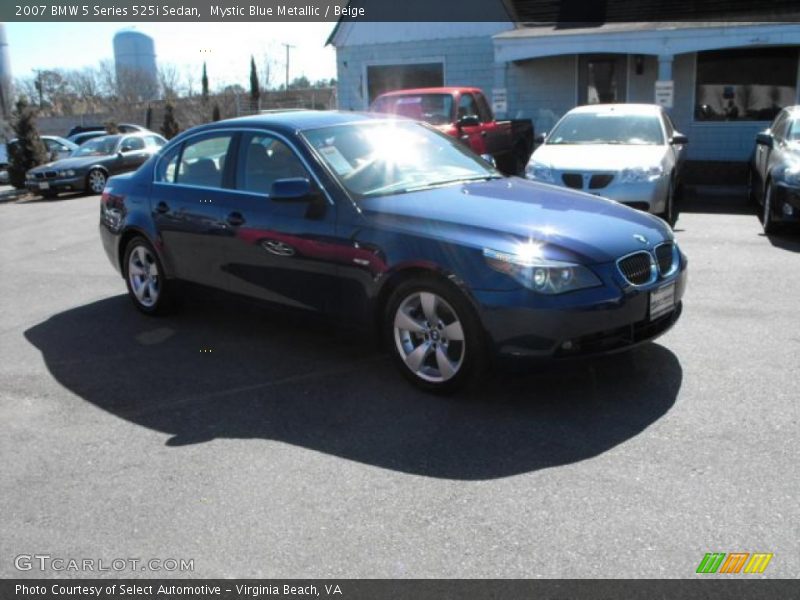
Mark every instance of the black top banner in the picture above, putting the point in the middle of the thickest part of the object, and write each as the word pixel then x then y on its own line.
pixel 567 12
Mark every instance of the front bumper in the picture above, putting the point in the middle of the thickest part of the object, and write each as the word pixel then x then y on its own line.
pixel 643 195
pixel 587 322
pixel 56 186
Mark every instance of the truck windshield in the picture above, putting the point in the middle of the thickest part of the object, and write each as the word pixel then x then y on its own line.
pixel 608 128
pixel 436 109
pixel 381 158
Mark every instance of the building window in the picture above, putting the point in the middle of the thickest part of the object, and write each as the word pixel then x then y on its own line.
pixel 601 78
pixel 750 84
pixel 387 78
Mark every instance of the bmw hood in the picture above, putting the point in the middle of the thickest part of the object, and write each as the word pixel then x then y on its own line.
pixel 504 213
pixel 597 157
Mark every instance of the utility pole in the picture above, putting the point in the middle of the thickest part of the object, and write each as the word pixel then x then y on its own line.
pixel 287 64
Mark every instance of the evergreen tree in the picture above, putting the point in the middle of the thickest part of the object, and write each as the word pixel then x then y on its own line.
pixel 170 127
pixel 255 92
pixel 204 83
pixel 28 151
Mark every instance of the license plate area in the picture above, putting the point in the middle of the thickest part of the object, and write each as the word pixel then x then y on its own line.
pixel 662 301
pixel 44 185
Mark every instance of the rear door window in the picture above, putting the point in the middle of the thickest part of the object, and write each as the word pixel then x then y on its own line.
pixel 202 162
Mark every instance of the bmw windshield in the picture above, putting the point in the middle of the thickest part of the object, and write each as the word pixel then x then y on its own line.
pixel 101 146
pixel 381 158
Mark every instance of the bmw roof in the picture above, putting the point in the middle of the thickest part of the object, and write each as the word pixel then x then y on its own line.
pixel 292 120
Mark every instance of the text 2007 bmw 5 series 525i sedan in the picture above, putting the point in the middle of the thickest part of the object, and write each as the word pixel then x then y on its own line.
pixel 390 224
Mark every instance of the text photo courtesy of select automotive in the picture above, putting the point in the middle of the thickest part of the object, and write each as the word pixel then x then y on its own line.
pixel 401 300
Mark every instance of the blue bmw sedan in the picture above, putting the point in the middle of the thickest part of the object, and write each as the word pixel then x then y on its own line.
pixel 390 225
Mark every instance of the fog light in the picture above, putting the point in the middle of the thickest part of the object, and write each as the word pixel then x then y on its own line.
pixel 788 210
pixel 567 345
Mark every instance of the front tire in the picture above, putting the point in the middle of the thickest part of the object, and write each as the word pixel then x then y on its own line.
pixel 767 218
pixel 96 181
pixel 148 288
pixel 434 336
pixel 670 214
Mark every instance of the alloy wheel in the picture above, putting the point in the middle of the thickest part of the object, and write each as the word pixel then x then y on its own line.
pixel 429 337
pixel 97 181
pixel 143 276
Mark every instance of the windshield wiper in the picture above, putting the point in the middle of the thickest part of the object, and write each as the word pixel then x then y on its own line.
pixel 432 184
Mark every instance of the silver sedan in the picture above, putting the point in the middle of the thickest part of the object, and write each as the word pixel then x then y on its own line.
pixel 630 153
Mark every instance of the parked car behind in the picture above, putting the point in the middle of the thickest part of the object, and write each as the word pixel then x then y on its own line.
pixel 630 153
pixel 57 147
pixel 85 136
pixel 122 127
pixel 464 113
pixel 391 224
pixel 774 180
pixel 90 165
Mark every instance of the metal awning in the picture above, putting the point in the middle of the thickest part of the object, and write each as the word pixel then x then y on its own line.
pixel 539 40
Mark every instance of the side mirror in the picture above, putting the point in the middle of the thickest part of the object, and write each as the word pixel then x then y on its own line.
pixel 765 139
pixel 678 139
pixel 469 121
pixel 293 189
pixel 120 154
pixel 539 139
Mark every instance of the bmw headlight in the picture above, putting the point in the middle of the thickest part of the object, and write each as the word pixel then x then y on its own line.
pixel 792 175
pixel 540 274
pixel 539 172
pixel 640 174
pixel 66 173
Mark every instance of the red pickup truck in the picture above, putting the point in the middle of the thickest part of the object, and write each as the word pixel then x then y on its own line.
pixel 463 112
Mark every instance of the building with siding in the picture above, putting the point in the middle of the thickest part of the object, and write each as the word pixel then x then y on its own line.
pixel 728 78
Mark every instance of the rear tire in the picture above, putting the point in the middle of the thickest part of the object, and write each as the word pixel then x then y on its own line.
pixel 150 291
pixel 434 336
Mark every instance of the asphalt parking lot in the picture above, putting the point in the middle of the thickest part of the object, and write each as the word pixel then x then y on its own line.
pixel 260 446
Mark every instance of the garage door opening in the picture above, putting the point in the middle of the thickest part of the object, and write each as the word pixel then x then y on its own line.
pixel 386 78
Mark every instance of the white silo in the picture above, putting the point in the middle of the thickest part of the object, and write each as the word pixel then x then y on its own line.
pixel 6 92
pixel 135 63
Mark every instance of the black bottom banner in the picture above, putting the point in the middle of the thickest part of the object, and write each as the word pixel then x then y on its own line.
pixel 402 589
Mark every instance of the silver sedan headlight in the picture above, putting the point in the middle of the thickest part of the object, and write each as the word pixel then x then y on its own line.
pixel 540 274
pixel 641 174
pixel 539 172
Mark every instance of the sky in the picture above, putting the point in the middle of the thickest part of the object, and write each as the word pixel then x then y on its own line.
pixel 226 47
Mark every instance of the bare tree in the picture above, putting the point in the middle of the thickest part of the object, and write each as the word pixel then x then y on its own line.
pixel 170 79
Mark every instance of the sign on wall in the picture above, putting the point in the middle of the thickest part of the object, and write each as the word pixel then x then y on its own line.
pixel 499 100
pixel 665 93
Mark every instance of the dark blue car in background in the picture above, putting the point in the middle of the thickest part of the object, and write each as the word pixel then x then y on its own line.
pixel 389 224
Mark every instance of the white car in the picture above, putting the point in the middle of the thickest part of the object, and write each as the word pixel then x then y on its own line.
pixel 630 153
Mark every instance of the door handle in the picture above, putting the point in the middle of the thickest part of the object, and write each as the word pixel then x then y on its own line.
pixel 235 219
pixel 162 208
